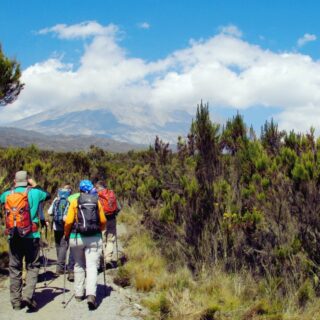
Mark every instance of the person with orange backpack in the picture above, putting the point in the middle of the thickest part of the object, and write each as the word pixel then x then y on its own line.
pixel 21 205
pixel 111 208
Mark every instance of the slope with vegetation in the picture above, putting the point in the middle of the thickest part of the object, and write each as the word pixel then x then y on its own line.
pixel 228 227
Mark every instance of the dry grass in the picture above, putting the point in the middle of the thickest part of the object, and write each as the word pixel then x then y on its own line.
pixel 144 282
pixel 144 265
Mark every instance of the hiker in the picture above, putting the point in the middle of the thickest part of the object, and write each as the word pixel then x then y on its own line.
pixel 23 233
pixel 83 226
pixel 111 208
pixel 57 211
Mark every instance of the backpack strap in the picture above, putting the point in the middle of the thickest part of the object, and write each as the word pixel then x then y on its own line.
pixel 26 191
pixel 35 227
pixel 55 205
pixel 28 188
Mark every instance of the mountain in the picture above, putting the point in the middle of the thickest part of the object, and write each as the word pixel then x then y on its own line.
pixel 23 138
pixel 102 123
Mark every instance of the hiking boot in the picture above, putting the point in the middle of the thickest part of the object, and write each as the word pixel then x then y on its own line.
pixel 109 265
pixel 18 306
pixel 59 271
pixel 70 276
pixel 31 304
pixel 101 267
pixel 79 298
pixel 91 300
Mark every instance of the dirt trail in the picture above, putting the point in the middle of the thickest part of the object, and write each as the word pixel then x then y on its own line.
pixel 115 303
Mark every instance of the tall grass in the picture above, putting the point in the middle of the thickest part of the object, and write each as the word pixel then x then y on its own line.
pixel 211 294
pixel 4 258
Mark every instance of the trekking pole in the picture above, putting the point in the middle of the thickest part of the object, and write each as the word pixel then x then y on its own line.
pixel 64 277
pixel 117 241
pixel 47 237
pixel 66 303
pixel 44 257
pixel 104 270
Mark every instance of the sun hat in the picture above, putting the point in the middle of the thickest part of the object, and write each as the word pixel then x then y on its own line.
pixel 21 179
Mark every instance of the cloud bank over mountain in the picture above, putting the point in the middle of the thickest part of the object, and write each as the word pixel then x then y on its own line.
pixel 224 70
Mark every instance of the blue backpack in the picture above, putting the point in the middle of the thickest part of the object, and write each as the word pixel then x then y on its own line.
pixel 60 205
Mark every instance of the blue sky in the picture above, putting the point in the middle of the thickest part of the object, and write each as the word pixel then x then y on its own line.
pixel 171 38
pixel 275 25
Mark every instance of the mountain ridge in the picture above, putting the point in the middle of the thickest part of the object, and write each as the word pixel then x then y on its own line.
pixel 16 137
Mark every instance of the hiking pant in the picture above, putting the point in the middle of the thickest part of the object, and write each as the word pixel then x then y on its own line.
pixel 111 233
pixel 29 249
pixel 86 252
pixel 61 249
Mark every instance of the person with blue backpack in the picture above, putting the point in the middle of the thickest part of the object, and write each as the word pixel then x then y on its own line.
pixel 57 212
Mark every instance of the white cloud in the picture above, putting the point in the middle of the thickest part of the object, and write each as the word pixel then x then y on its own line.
pixel 224 70
pixel 144 25
pixel 305 39
pixel 80 30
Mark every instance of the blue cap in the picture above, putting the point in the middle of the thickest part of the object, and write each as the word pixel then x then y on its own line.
pixel 85 186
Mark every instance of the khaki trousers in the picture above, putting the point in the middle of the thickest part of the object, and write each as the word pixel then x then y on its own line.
pixel 86 253
pixel 111 233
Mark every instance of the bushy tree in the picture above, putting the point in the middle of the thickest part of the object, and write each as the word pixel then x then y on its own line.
pixel 200 208
pixel 10 85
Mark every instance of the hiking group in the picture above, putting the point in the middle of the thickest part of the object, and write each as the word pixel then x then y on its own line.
pixel 78 221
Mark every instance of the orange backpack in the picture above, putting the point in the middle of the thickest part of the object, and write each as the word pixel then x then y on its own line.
pixel 18 218
pixel 108 201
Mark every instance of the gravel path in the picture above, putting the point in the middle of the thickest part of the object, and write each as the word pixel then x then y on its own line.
pixel 115 303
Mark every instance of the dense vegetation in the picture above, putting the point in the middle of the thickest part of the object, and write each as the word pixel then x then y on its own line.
pixel 226 200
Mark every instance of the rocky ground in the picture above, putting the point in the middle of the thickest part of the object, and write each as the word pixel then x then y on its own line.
pixel 115 303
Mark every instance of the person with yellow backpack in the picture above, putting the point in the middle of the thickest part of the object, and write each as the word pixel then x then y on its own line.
pixel 83 226
pixel 21 205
